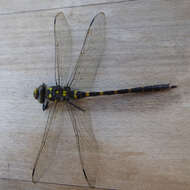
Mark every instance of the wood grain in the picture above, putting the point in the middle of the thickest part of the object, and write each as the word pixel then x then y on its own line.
pixel 143 139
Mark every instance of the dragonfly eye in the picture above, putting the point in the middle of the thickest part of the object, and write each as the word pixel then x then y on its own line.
pixel 36 93
pixel 39 93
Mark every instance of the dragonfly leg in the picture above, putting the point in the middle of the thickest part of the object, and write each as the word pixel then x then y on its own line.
pixel 74 105
pixel 45 105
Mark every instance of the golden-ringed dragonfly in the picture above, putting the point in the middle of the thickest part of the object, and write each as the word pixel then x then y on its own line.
pixel 69 88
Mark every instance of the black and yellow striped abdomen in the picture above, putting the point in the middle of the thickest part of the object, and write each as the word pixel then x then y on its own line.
pixel 153 88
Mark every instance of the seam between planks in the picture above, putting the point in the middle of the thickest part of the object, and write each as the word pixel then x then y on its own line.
pixel 66 7
pixel 60 184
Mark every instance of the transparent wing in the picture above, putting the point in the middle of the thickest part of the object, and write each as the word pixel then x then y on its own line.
pixel 63 49
pixel 91 53
pixel 86 142
pixel 49 142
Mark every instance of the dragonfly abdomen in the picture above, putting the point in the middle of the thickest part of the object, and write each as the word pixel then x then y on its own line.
pixel 55 93
pixel 153 88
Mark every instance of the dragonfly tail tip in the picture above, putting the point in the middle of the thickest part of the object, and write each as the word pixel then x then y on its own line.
pixel 174 86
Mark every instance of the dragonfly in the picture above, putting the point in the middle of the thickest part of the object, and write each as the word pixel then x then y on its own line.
pixel 71 86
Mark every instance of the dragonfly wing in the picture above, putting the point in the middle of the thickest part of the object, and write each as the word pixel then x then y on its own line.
pixel 49 142
pixel 63 49
pixel 91 53
pixel 86 142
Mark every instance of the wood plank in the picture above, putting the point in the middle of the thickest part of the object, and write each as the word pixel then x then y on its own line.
pixel 143 139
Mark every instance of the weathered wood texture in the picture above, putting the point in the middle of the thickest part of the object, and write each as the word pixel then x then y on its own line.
pixel 143 139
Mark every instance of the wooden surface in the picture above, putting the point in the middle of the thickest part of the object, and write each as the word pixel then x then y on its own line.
pixel 143 139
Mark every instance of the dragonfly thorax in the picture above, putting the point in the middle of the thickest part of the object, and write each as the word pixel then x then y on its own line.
pixel 58 93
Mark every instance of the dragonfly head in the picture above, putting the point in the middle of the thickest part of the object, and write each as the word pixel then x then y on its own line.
pixel 39 93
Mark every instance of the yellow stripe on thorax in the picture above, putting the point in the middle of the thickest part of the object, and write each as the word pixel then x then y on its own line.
pixel 64 93
pixel 115 92
pixel 75 94
pixel 101 93
pixel 50 96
